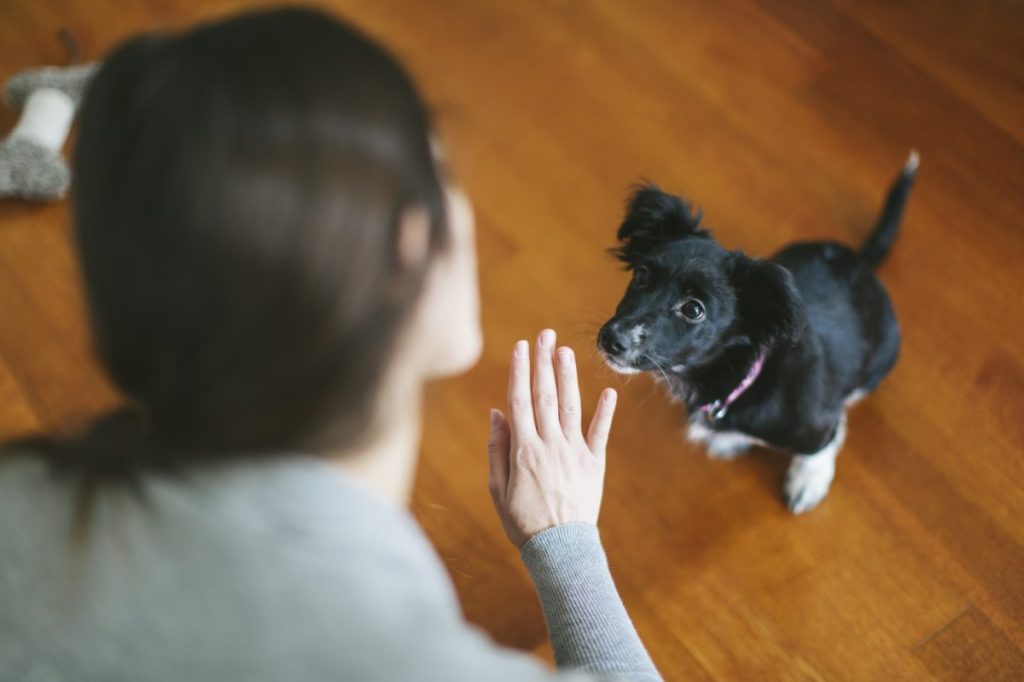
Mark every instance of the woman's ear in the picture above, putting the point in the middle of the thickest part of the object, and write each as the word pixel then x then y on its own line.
pixel 413 241
pixel 770 308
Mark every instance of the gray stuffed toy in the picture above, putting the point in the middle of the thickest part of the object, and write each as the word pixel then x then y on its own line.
pixel 31 165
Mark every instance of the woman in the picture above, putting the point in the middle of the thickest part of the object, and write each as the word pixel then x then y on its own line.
pixel 274 266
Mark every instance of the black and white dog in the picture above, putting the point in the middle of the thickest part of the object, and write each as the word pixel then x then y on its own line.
pixel 763 352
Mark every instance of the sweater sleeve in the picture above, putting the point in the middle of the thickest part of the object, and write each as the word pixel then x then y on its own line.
pixel 587 622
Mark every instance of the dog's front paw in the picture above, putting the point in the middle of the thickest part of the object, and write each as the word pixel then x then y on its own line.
pixel 807 481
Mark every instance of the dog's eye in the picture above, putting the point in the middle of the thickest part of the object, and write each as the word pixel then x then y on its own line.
pixel 640 277
pixel 692 310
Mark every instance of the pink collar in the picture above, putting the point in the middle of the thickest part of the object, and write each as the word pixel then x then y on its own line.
pixel 719 408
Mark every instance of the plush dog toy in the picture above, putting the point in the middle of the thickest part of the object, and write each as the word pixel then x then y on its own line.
pixel 31 165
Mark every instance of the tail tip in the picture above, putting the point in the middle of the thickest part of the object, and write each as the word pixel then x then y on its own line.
pixel 913 161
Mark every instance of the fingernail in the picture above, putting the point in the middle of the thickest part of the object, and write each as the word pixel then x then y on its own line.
pixel 547 338
pixel 521 348
pixel 565 356
pixel 610 396
pixel 494 418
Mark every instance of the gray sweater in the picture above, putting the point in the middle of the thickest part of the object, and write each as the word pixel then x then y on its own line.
pixel 281 570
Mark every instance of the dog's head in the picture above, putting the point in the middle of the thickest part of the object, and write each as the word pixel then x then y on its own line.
pixel 690 298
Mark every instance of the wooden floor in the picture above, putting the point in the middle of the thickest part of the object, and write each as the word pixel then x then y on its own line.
pixel 782 120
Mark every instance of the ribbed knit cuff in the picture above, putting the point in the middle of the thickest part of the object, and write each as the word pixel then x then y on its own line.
pixel 587 623
pixel 564 550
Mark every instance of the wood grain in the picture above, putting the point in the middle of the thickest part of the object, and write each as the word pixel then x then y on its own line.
pixel 782 121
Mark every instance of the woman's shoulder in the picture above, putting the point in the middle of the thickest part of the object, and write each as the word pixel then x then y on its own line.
pixel 291 502
pixel 31 496
pixel 191 559
pixel 293 508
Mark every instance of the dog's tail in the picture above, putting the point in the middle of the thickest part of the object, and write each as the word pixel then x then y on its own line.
pixel 877 245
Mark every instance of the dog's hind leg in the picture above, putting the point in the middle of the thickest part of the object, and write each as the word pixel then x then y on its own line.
pixel 810 476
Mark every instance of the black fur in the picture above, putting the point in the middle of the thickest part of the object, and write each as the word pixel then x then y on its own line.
pixel 654 218
pixel 816 308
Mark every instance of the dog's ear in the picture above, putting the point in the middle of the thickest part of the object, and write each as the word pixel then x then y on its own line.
pixel 770 308
pixel 652 218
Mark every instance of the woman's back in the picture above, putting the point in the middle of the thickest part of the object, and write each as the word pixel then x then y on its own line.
pixel 281 570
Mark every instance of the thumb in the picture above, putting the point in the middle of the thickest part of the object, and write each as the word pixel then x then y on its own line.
pixel 499 441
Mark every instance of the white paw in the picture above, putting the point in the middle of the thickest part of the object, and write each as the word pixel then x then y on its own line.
pixel 721 444
pixel 807 481
pixel 728 446
pixel 809 476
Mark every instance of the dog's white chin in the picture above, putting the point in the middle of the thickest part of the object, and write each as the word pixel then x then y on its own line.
pixel 621 369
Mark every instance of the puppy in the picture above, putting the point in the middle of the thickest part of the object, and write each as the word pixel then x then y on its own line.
pixel 762 352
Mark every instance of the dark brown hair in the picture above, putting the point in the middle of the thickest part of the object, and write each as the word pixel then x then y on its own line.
pixel 237 194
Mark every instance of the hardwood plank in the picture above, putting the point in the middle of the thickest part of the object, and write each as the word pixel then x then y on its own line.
pixel 970 648
pixel 16 415
pixel 45 339
pixel 984 73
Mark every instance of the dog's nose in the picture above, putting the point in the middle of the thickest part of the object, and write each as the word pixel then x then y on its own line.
pixel 611 341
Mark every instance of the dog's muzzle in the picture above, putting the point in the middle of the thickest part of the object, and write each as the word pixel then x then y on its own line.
pixel 612 341
pixel 620 347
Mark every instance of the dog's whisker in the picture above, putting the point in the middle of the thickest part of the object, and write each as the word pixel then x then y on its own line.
pixel 658 366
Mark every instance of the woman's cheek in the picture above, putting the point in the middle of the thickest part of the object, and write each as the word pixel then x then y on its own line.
pixel 464 331
pixel 463 296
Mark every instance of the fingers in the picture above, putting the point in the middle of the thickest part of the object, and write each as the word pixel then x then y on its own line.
pixel 545 391
pixel 549 405
pixel 601 424
pixel 499 442
pixel 520 407
pixel 568 394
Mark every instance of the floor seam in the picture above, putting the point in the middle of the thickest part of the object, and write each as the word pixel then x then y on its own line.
pixel 943 627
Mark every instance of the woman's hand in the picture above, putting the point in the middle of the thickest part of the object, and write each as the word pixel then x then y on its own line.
pixel 543 472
